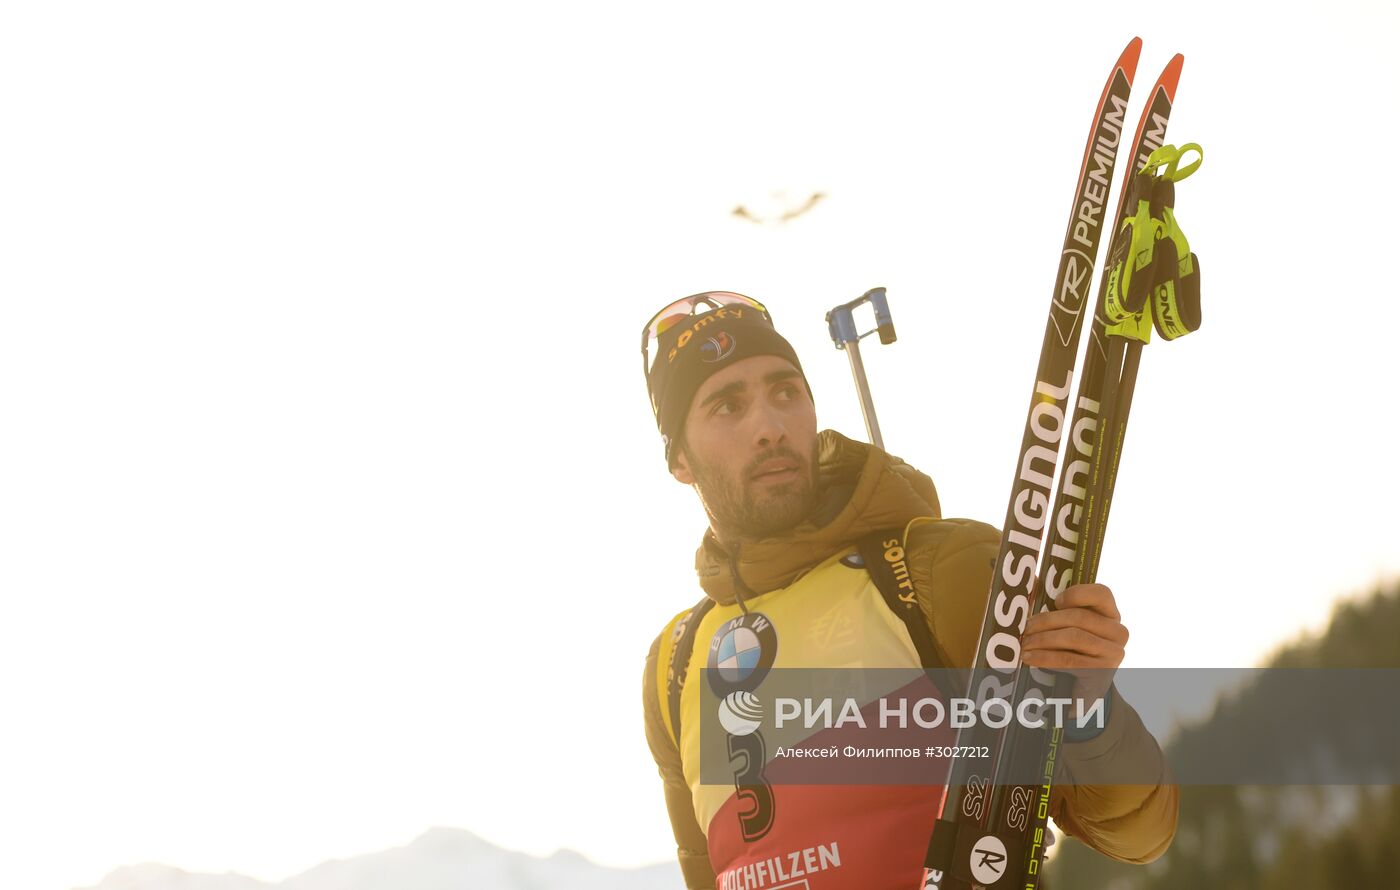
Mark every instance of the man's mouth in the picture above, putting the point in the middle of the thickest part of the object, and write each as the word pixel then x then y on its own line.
pixel 775 471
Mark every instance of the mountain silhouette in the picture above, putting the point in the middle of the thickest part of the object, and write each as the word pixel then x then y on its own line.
pixel 439 859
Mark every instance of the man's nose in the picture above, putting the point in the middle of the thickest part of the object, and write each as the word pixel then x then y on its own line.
pixel 770 428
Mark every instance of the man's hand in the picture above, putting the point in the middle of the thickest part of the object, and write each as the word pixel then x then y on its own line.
pixel 1084 636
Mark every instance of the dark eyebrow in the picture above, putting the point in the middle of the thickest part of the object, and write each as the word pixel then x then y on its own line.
pixel 725 392
pixel 739 386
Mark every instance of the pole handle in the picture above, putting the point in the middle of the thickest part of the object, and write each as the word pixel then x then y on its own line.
pixel 841 323
pixel 883 323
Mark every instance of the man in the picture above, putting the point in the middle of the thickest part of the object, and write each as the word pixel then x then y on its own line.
pixel 786 506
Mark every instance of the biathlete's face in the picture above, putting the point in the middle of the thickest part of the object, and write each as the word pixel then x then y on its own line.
pixel 750 448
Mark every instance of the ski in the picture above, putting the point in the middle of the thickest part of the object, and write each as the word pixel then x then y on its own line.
pixel 1072 543
pixel 963 850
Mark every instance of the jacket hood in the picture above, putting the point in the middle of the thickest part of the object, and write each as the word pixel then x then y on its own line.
pixel 860 489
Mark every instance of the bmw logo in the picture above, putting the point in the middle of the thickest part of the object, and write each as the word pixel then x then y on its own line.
pixel 741 653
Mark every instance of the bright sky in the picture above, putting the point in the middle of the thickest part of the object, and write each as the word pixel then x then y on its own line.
pixel 331 508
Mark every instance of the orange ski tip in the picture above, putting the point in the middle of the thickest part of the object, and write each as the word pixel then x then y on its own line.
pixel 1171 75
pixel 1129 60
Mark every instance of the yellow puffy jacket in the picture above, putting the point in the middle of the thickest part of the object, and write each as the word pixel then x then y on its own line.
pixel 829 613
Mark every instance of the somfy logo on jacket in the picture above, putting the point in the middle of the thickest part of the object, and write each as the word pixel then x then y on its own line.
pixel 717 348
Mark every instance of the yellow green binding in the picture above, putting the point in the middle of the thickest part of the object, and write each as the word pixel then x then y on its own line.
pixel 1151 258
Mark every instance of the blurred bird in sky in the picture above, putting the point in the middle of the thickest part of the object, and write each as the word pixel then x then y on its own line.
pixel 782 209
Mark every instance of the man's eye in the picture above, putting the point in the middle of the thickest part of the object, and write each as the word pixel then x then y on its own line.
pixel 728 406
pixel 787 391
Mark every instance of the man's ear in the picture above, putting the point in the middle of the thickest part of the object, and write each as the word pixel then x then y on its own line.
pixel 681 468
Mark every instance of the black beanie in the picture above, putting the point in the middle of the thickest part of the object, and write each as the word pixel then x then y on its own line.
pixel 690 352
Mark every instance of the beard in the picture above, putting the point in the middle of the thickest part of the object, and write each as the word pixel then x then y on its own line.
pixel 742 508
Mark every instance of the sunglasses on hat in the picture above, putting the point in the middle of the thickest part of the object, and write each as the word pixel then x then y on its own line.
pixel 683 309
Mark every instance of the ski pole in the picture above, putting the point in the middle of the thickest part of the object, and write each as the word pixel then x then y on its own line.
pixel 841 324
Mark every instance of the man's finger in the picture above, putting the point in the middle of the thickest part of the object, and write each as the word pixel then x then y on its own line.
pixel 1094 622
pixel 1061 660
pixel 1089 596
pixel 1069 639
